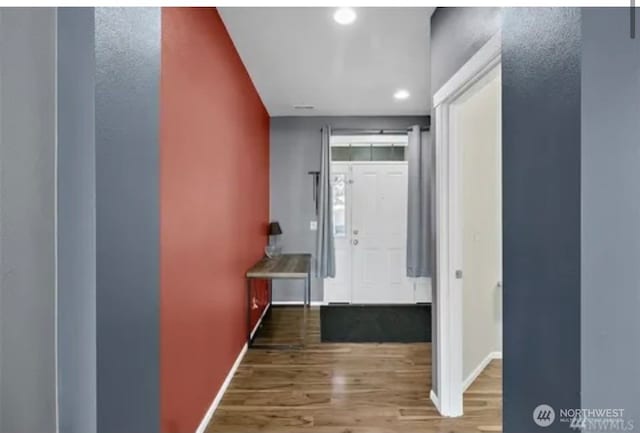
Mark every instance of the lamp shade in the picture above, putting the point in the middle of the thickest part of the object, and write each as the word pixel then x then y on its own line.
pixel 274 228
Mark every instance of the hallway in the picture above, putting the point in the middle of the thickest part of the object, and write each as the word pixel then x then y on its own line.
pixel 354 388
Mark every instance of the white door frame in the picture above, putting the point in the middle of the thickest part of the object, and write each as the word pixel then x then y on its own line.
pixel 448 288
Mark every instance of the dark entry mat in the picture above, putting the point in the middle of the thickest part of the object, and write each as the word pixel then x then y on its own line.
pixel 375 323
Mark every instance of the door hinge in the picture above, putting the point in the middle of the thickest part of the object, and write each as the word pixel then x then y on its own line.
pixel 459 274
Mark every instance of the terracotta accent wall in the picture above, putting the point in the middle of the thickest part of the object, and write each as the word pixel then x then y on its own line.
pixel 214 204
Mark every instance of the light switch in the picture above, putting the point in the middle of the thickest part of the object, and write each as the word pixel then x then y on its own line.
pixel 313 225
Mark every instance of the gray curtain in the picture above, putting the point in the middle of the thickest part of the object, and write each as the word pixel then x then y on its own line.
pixel 420 207
pixel 325 253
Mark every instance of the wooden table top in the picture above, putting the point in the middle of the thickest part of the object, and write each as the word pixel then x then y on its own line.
pixel 282 266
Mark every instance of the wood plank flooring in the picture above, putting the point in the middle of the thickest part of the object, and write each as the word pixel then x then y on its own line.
pixel 343 387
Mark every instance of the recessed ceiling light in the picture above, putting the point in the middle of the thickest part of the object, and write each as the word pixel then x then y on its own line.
pixel 401 94
pixel 344 16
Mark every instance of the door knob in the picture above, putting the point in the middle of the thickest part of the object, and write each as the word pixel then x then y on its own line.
pixel 355 242
pixel 355 232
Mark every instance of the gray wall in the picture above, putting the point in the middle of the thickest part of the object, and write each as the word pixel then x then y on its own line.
pixel 127 210
pixel 541 195
pixel 108 229
pixel 541 213
pixel 456 35
pixel 295 150
pixel 76 221
pixel 610 213
pixel 27 220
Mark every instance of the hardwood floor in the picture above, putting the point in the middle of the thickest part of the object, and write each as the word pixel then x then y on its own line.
pixel 338 387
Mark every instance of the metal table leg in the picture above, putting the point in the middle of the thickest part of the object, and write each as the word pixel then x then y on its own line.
pixel 248 312
pixel 305 308
pixel 270 295
pixel 306 292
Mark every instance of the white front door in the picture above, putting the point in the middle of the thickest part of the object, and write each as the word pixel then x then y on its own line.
pixel 370 237
pixel 379 233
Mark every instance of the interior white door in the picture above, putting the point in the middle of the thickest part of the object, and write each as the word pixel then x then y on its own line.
pixel 338 289
pixel 378 234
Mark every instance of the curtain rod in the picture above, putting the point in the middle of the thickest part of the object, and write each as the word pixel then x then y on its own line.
pixel 359 131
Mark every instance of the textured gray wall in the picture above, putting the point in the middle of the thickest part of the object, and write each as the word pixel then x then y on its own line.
pixel 127 212
pixel 610 213
pixel 27 220
pixel 76 221
pixel 456 35
pixel 295 150
pixel 541 213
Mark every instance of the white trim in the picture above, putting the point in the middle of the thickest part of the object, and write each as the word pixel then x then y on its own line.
pixel 448 246
pixel 435 400
pixel 216 401
pixel 367 140
pixel 479 369
pixel 474 67
pixel 313 303
pixel 227 381
pixel 350 163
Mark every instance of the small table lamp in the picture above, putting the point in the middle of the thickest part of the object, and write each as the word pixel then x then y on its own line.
pixel 272 249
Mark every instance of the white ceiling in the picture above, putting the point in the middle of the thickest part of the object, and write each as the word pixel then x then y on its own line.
pixel 302 56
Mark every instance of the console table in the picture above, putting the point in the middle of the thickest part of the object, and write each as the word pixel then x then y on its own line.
pixel 285 267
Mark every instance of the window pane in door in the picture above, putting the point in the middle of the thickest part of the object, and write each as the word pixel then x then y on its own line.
pixel 361 153
pixel 340 153
pixel 387 153
pixel 399 153
pixel 339 205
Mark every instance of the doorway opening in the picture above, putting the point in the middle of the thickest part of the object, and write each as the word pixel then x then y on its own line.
pixel 468 310
pixel 477 126
pixel 369 180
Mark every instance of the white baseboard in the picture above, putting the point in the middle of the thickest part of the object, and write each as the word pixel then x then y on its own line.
pixel 313 303
pixel 435 400
pixel 216 401
pixel 227 381
pixel 476 372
